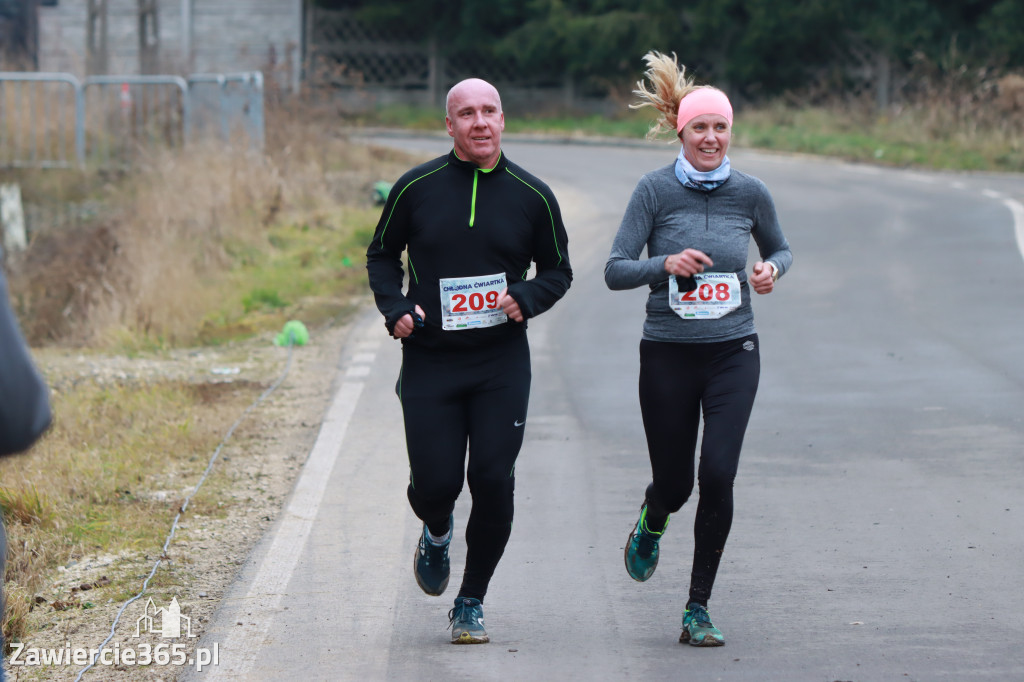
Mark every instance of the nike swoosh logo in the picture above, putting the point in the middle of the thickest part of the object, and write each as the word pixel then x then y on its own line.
pixel 519 423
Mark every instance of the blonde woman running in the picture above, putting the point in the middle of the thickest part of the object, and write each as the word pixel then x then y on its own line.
pixel 699 350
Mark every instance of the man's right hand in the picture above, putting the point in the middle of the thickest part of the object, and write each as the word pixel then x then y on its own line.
pixel 405 325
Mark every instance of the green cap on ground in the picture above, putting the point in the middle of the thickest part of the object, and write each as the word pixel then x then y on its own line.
pixel 381 190
pixel 294 333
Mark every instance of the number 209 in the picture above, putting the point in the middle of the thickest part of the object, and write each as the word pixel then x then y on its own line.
pixel 462 303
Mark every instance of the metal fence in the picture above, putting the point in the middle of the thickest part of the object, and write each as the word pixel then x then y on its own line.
pixel 41 120
pixel 55 120
pixel 126 116
pixel 227 105
pixel 348 59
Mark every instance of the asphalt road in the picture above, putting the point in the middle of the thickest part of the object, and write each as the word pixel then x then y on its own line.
pixel 879 528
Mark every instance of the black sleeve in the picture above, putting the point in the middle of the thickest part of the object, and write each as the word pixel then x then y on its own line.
pixel 551 254
pixel 24 397
pixel 384 257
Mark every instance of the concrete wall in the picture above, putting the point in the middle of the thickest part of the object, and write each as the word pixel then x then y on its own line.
pixel 196 36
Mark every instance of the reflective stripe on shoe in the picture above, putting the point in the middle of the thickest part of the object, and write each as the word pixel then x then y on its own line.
pixel 466 620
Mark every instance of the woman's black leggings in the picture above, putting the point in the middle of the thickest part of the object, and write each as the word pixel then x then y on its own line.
pixel 677 382
pixel 450 399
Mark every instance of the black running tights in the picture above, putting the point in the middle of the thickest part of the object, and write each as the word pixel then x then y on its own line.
pixel 679 381
pixel 450 399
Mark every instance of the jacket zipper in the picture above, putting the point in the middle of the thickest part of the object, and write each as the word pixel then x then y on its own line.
pixel 472 201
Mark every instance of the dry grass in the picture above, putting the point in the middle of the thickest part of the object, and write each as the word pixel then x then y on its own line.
pixel 108 477
pixel 148 265
pixel 164 258
pixel 957 120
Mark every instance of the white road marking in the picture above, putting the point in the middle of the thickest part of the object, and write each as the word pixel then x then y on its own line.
pixel 1017 209
pixel 363 358
pixel 356 371
pixel 860 169
pixel 267 589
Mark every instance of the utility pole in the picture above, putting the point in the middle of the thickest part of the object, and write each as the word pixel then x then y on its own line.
pixel 149 37
pixel 96 37
pixel 186 35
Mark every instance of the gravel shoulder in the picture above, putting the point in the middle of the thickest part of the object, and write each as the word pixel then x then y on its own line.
pixel 259 463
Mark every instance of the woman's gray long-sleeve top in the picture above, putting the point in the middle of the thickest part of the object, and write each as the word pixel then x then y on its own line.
pixel 668 218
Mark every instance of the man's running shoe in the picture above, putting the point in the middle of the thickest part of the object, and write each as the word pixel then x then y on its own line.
pixel 642 548
pixel 698 629
pixel 431 563
pixel 467 622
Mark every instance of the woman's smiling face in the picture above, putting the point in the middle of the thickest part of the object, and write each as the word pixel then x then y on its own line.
pixel 705 141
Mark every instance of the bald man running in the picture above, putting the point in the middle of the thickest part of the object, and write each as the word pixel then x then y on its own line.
pixel 470 223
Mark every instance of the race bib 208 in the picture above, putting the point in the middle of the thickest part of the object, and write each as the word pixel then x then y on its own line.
pixel 717 294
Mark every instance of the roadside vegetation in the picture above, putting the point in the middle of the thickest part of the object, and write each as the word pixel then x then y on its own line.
pixel 909 76
pixel 106 481
pixel 966 125
pixel 953 124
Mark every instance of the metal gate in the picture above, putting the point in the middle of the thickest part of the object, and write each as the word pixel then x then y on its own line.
pixel 55 120
pixel 125 116
pixel 40 120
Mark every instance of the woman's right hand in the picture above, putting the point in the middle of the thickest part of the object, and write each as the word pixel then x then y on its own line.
pixel 687 263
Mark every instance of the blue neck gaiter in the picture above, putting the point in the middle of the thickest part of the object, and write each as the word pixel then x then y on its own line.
pixel 704 181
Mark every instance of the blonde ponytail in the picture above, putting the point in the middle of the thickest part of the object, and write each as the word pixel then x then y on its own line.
pixel 668 86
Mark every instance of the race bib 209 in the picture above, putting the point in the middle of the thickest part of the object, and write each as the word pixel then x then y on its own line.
pixel 471 302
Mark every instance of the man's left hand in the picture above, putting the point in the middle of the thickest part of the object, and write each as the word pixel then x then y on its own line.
pixel 509 306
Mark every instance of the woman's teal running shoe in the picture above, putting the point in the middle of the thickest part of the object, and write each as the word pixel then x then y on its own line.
pixel 641 553
pixel 466 620
pixel 698 629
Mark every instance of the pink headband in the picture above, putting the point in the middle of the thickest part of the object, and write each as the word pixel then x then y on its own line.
pixel 703 101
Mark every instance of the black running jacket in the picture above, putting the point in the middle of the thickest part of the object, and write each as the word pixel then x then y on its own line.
pixel 457 220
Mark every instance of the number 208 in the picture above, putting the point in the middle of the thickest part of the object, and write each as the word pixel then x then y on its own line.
pixel 705 292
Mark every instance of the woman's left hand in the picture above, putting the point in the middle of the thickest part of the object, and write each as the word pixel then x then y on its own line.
pixel 763 279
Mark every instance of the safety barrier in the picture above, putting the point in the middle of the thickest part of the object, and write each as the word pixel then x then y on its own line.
pixel 55 120
pixel 225 100
pixel 125 115
pixel 41 120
